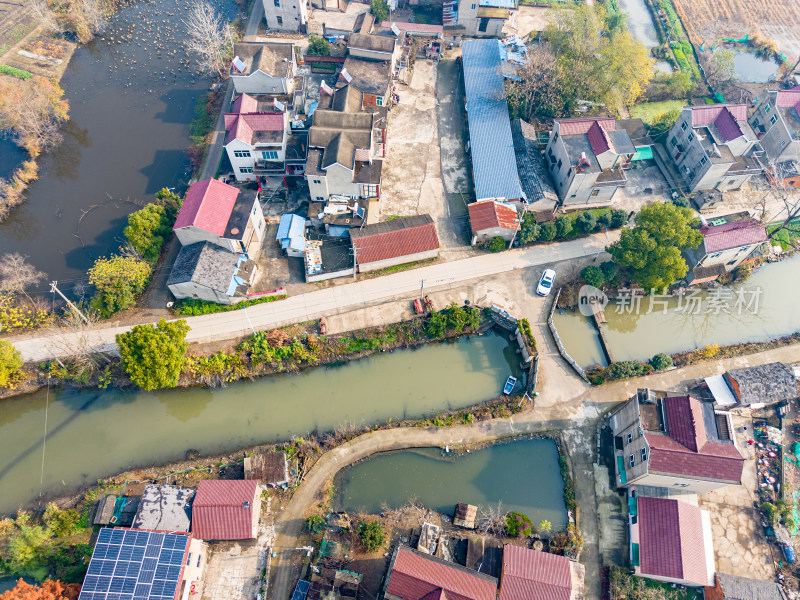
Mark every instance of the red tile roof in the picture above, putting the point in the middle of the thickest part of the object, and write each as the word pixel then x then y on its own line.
pixel 245 104
pixel 705 115
pixel 395 238
pixel 788 98
pixel 208 206
pixel 415 576
pixel 686 451
pixel 243 126
pixel 486 214
pixel 598 139
pixel 727 126
pixel 582 126
pixel 733 235
pixel 671 540
pixel 530 574
pixel 223 509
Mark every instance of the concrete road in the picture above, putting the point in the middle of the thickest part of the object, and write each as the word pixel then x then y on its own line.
pixel 328 301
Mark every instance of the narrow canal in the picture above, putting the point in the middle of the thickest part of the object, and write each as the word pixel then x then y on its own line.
pixel 714 317
pixel 131 93
pixel 523 475
pixel 99 433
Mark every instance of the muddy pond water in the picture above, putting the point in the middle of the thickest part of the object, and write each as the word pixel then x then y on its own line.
pixel 92 434
pixel 523 475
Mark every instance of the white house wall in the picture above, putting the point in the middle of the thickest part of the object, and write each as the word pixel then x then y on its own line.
pixel 317 187
pixel 239 163
pixel 400 260
pixel 293 15
pixel 194 569
pixel 340 181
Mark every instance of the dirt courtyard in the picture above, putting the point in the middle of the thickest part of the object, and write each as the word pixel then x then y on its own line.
pixel 779 20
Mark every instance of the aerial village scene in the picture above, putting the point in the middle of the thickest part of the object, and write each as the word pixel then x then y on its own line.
pixel 399 299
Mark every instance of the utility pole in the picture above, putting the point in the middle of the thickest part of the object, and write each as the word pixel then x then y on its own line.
pixel 421 289
pixel 519 225
pixel 355 263
pixel 54 288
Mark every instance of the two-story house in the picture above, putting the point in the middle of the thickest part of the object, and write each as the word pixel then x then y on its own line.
pixel 220 214
pixel 676 443
pixel 286 15
pixel 587 159
pixel 711 145
pixel 728 243
pixel 776 122
pixel 263 68
pixel 483 18
pixel 256 138
pixel 373 79
pixel 382 48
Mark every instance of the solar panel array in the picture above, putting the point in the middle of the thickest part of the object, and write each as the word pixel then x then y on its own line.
pixel 134 565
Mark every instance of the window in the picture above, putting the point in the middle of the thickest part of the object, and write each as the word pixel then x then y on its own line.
pixel 783 143
pixel 703 161
pixel 715 255
pixel 632 460
pixel 199 558
pixel 742 249
pixel 278 3
pixel 755 122
pixel 370 191
pixel 644 454
pixel 189 559
pixel 683 126
pixel 559 164
pixel 767 107
pixel 630 438
pixel 269 155
pixel 691 137
pixel 595 192
pixel 317 181
pixel 319 199
pixel 280 20
pixel 473 7
pixel 555 137
pixel 379 100
pixel 681 484
pixel 241 153
pixel 674 141
pixel 773 119
pixel 245 169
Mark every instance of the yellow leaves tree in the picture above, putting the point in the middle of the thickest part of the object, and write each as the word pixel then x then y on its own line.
pixel 33 110
pixel 10 363
pixel 118 280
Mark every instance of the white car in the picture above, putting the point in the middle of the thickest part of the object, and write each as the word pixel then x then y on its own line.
pixel 546 282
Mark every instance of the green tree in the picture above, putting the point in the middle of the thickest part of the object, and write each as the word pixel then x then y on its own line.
pixel 586 222
pixel 153 355
pixel 651 251
pixel 609 269
pixel 380 9
pixel 593 275
pixel 118 281
pixel 563 226
pixel 436 325
pixel 497 244
pixel 146 230
pixel 318 46
pixel 171 202
pixel 618 218
pixel 547 232
pixel 529 230
pixel 372 535
pixel 60 523
pixel 10 363
pixel 315 524
pixel 662 123
pixel 661 361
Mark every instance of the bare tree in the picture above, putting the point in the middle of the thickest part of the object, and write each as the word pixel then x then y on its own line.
pixel 208 37
pixel 42 14
pixel 16 275
pixel 80 343
pixel 778 181
pixel 491 521
pixel 720 67
pixel 33 110
pixel 93 14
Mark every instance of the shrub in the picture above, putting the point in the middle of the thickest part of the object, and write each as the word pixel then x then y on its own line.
pixel 618 218
pixel 604 219
pixel 593 276
pixel 60 523
pixel 563 226
pixel 661 361
pixel 609 269
pixel 547 232
pixel 10 363
pixel 529 230
pixel 497 244
pixel 372 535
pixel 586 222
pixel 194 307
pixel 710 351
pixel 625 369
pixel 681 201
pixel 154 355
pixel 518 525
pixel 436 325
pixel 315 524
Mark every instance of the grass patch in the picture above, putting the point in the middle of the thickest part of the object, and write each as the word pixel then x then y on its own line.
pixel 14 72
pixel 398 268
pixel 648 111
pixel 786 238
pixel 192 307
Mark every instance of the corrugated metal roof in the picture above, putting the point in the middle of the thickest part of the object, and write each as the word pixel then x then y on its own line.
pixel 494 164
pixel 223 509
pixel 529 574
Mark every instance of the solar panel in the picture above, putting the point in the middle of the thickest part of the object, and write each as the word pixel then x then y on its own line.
pixel 134 565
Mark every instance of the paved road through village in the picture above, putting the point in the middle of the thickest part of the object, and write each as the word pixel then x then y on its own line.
pixel 328 301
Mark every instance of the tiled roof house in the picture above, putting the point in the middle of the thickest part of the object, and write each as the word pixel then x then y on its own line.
pixel 531 574
pixel 491 218
pixel 676 443
pixel 395 242
pixel 776 122
pixel 762 384
pixel 226 509
pixel 671 542
pixel 414 575
pixel 734 587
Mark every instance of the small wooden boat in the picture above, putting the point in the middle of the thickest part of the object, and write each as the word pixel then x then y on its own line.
pixel 511 383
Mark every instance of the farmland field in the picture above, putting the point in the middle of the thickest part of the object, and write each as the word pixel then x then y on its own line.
pixel 707 20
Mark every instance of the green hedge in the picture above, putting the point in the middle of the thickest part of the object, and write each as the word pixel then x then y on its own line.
pixel 194 307
pixel 14 72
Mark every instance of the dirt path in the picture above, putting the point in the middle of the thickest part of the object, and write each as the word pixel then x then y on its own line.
pixel 578 417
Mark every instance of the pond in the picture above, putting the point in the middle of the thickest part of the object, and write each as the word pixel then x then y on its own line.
pixel 93 434
pixel 633 336
pixel 523 475
pixel 756 69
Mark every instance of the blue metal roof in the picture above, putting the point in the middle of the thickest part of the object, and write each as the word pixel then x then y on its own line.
pixel 494 165
pixel 283 226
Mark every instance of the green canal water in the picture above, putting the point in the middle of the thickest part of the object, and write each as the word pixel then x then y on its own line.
pixel 524 475
pixel 95 434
